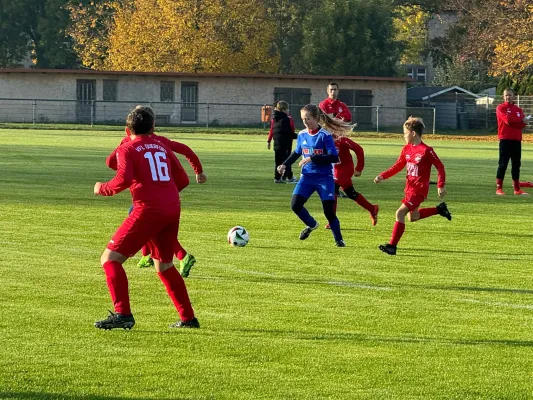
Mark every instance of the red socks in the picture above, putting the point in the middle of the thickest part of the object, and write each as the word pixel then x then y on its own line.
pixel 499 183
pixel 516 185
pixel 427 212
pixel 117 282
pixel 177 291
pixel 363 202
pixel 397 233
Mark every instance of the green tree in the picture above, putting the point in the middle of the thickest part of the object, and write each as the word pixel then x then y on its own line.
pixel 349 37
pixel 36 26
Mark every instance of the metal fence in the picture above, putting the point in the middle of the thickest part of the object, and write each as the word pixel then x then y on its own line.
pixel 459 112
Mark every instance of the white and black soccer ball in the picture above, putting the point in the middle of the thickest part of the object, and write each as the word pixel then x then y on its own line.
pixel 238 236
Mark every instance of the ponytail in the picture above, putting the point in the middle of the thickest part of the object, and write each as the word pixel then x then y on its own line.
pixel 337 127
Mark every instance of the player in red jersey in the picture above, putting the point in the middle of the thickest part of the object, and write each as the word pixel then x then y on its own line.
pixel 344 170
pixel 511 121
pixel 181 180
pixel 418 158
pixel 333 107
pixel 144 167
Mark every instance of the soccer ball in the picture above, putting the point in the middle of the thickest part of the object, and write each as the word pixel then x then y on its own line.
pixel 238 236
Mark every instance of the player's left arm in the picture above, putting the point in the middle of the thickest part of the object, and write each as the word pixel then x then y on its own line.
pixel 123 178
pixel 359 153
pixel 441 178
pixel 345 114
pixel 330 155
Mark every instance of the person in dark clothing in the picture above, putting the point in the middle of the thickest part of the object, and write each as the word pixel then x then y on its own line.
pixel 282 131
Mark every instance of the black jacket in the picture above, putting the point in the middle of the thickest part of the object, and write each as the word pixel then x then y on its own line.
pixel 282 130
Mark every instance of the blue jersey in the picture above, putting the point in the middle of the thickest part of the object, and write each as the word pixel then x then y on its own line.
pixel 320 143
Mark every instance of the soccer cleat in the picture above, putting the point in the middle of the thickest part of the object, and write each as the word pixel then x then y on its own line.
pixel 193 324
pixel 116 321
pixel 527 184
pixel 304 234
pixel 443 211
pixel 186 264
pixel 374 215
pixel 292 180
pixel 520 193
pixel 340 243
pixel 145 262
pixel 390 249
pixel 500 192
pixel 278 181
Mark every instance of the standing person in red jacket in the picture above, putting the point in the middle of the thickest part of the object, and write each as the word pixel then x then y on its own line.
pixel 181 180
pixel 282 131
pixel 333 107
pixel 418 157
pixel 511 121
pixel 344 170
pixel 144 167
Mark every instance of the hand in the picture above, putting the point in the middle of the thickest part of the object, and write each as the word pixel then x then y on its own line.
pixel 281 169
pixel 378 179
pixel 268 145
pixel 525 120
pixel 357 173
pixel 97 187
pixel 201 178
pixel 442 192
pixel 304 161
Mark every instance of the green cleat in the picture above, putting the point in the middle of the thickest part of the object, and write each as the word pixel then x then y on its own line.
pixel 145 262
pixel 186 265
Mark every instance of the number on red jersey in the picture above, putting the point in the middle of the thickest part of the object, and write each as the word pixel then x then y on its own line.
pixel 158 166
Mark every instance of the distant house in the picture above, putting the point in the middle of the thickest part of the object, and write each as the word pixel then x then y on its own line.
pixel 453 105
pixel 184 98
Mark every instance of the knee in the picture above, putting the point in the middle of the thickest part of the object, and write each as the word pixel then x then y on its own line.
pixel 296 204
pixel 401 213
pixel 413 216
pixel 351 193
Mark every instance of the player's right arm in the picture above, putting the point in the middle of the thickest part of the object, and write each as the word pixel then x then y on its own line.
pixel 124 176
pixel 111 160
pixel 397 167
pixel 509 118
pixel 270 133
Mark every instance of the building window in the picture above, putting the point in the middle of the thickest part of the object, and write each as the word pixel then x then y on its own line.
pixel 421 74
pixel 110 90
pixel 167 91
pixel 410 73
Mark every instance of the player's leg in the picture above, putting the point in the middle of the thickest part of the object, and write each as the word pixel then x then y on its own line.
pixel 516 160
pixel 163 249
pixel 337 188
pixel 146 260
pixel 279 157
pixel 503 161
pixel 399 226
pixel 421 213
pixel 373 209
pixel 326 190
pixel 289 174
pixel 303 190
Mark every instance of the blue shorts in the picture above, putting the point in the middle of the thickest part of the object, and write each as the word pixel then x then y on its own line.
pixel 324 185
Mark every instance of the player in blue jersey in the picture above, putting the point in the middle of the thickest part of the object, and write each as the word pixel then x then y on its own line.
pixel 317 148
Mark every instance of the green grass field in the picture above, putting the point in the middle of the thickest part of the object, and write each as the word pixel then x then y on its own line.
pixel 450 317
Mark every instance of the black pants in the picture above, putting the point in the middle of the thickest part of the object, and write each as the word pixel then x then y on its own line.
pixel 509 149
pixel 280 155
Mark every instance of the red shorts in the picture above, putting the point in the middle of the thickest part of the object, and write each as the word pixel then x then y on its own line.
pixel 413 201
pixel 160 231
pixel 343 178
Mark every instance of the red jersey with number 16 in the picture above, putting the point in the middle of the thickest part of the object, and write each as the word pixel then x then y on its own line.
pixel 418 159
pixel 144 166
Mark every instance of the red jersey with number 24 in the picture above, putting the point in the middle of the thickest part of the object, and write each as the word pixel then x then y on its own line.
pixel 144 166
pixel 418 160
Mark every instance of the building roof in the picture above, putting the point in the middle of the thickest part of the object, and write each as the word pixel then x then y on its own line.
pixel 204 74
pixel 428 92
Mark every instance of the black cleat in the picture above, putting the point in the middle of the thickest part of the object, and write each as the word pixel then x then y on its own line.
pixel 390 249
pixel 443 211
pixel 340 243
pixel 115 321
pixel 307 231
pixel 193 323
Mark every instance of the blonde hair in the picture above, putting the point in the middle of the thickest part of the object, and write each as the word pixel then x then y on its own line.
pixel 282 106
pixel 337 127
pixel 415 124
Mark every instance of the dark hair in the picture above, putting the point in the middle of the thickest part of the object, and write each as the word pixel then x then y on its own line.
pixel 415 124
pixel 333 84
pixel 337 127
pixel 141 120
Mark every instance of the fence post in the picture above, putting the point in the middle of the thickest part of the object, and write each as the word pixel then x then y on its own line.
pixel 34 106
pixel 207 115
pixel 487 111
pixel 434 119
pixel 518 100
pixel 92 112
pixel 377 119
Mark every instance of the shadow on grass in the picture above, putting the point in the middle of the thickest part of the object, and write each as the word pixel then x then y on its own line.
pixel 62 396
pixel 359 337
